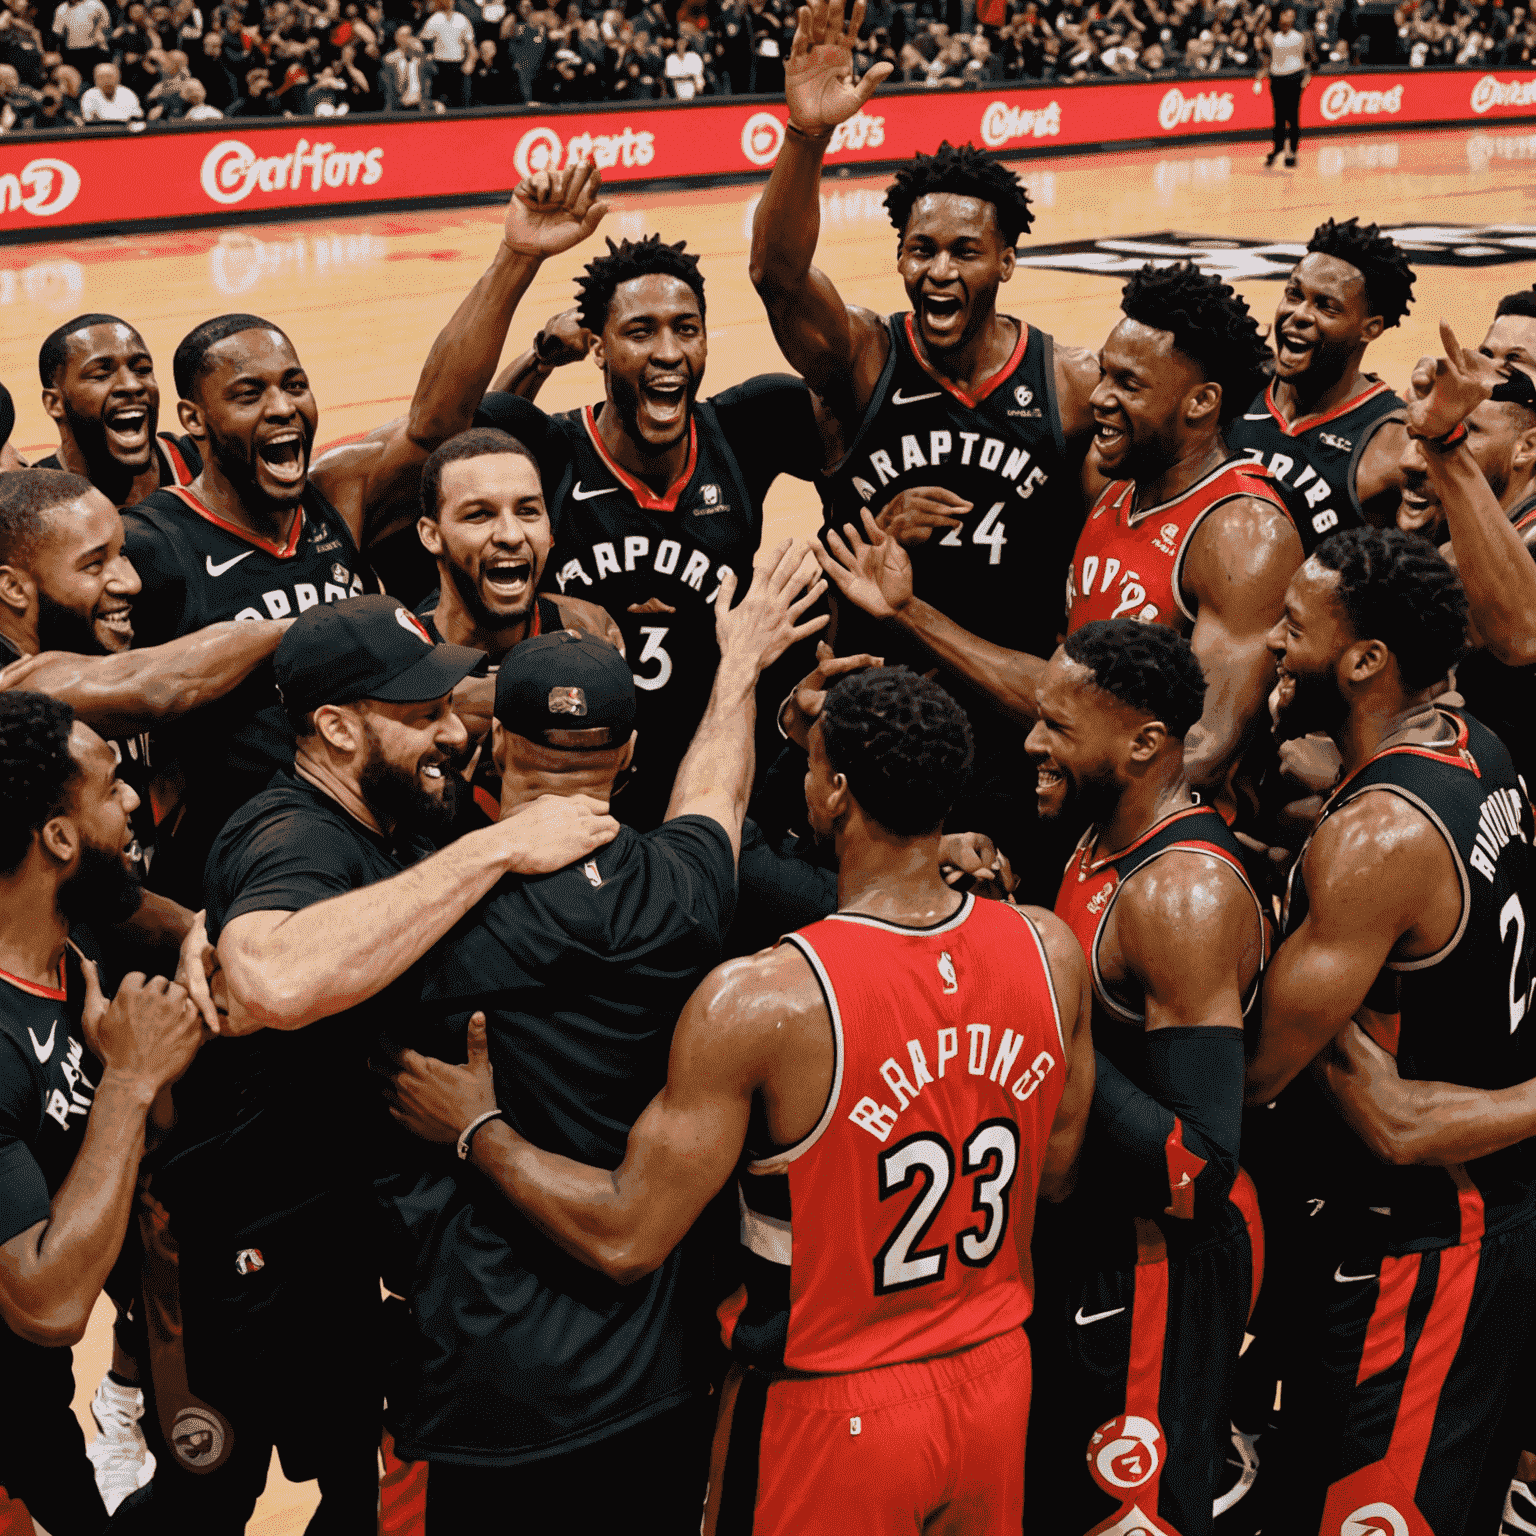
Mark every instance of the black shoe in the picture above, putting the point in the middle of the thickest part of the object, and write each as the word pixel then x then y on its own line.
pixel 1290 162
pixel 1270 159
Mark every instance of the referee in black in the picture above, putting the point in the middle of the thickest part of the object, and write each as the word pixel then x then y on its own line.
pixel 535 1387
pixel 1287 57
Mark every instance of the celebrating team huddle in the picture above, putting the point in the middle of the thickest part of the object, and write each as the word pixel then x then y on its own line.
pixel 1014 1015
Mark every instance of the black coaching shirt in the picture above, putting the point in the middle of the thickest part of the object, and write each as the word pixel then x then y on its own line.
pixel 48 1080
pixel 655 561
pixel 522 1352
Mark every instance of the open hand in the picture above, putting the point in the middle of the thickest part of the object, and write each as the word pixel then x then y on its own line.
pixel 873 571
pixel 976 855
pixel 554 210
pixel 803 707
pixel 435 1099
pixel 763 625
pixel 554 831
pixel 819 88
pixel 1444 391
pixel 911 516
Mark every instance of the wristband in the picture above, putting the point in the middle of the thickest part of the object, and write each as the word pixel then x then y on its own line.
pixel 538 351
pixel 468 1133
pixel 1444 442
pixel 810 138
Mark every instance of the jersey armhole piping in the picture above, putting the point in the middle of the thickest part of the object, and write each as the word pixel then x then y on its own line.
pixel 1050 980
pixel 1053 401
pixel 876 400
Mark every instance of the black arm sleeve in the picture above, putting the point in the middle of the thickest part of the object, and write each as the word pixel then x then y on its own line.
pixel 770 425
pixel 1180 1141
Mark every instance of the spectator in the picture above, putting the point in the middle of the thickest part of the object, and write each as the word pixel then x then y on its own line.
pixel 81 27
pixel 259 99
pixel 21 44
pixel 685 71
pixel 451 36
pixel 406 77
pixel 57 110
pixel 491 83
pixel 213 74
pixel 526 43
pixel 329 95
pixel 198 110
pixel 187 25
pixel 18 102
pixel 166 99
pixel 108 100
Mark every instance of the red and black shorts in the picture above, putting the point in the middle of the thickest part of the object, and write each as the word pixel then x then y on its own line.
pixel 1136 1365
pixel 933 1447
pixel 1396 1393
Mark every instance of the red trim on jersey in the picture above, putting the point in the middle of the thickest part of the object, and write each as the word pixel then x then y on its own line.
pixel 1320 418
pixel 1246 1198
pixel 179 466
pixel 1385 1332
pixel 1384 1028
pixel 647 498
pixel 1526 522
pixel 1184 1167
pixel 281 551
pixel 402 1493
pixel 1456 756
pixel 1149 1322
pixel 490 806
pixel 970 401
pixel 1470 1199
pixel 1084 870
pixel 58 994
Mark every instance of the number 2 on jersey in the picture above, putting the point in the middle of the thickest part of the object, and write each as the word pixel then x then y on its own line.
pixel 991 1154
pixel 990 531
pixel 1513 916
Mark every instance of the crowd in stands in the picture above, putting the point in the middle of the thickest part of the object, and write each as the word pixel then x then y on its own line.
pixel 98 62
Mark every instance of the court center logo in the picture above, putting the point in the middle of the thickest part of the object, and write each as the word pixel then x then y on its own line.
pixel 41 187
pixel 1378 1519
pixel 1237 259
pixel 1123 1454
pixel 762 137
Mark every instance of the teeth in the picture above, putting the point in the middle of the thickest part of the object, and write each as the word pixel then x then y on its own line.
pixel 432 771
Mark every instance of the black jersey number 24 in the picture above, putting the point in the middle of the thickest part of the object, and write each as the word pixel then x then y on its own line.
pixel 991 1155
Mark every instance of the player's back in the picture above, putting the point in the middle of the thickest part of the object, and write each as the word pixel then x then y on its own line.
pixel 899 1229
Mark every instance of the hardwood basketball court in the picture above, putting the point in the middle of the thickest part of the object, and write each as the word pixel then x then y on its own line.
pixel 363 298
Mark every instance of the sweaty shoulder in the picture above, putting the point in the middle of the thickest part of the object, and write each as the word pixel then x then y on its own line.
pixel 1183 910
pixel 1376 855
pixel 1245 539
pixel 759 1002
pixel 1063 959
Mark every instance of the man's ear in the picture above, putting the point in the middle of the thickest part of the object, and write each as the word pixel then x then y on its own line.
pixel 60 837
pixel 18 591
pixel 192 419
pixel 340 727
pixel 429 531
pixel 53 403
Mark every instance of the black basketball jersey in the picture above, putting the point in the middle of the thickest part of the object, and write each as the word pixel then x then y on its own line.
pixel 1464 1014
pixel 178 458
pixel 1501 696
pixel 1314 458
pixel 198 569
pixel 1004 451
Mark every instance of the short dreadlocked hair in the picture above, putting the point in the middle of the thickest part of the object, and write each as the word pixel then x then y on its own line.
pixel 1396 587
pixel 1522 304
pixel 965 172
pixel 901 742
pixel 1147 667
pixel 1209 323
pixel 626 261
pixel 36 769
pixel 1376 257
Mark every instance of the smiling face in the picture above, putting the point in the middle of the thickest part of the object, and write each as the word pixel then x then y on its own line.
pixel 1511 342
pixel 405 775
pixel 951 259
pixel 85 583
pixel 1309 643
pixel 106 398
pixel 1144 400
pixel 1323 322
pixel 652 352
pixel 253 404
pixel 1502 438
pixel 491 536
pixel 1078 743
pixel 104 883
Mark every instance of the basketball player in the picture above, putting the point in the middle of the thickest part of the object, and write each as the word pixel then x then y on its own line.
pixel 904 1077
pixel 1147 1275
pixel 99 386
pixel 1511 339
pixel 323 890
pixel 653 495
pixel 258 536
pixel 964 430
pixel 1321 426
pixel 77 1079
pixel 1415 1288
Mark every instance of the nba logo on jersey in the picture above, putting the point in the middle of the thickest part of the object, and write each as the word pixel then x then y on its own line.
pixel 947 973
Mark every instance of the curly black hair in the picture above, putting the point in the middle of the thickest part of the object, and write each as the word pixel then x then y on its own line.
pixel 1210 325
pixel 901 742
pixel 1522 304
pixel 966 172
pixel 35 768
pixel 1148 667
pixel 1396 587
pixel 1376 257
pixel 626 261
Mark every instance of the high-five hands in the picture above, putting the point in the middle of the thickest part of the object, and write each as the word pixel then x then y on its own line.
pixel 819 87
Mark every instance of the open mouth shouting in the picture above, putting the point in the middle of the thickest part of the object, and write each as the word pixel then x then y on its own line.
pixel 1050 788
pixel 1110 439
pixel 942 314
pixel 506 580
pixel 284 456
pixel 127 430
pixel 1294 350
pixel 664 403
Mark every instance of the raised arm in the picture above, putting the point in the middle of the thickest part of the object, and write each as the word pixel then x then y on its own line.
pixel 1074 1000
pixel 286 969
pixel 134 690
pixel 1239 564
pixel 563 340
pixel 52 1272
pixel 715 777
pixel 1374 871
pixel 874 572
pixel 372 482
pixel 839 350
pixel 732 1035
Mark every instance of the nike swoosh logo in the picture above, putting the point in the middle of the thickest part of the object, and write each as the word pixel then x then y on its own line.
pixel 1344 1279
pixel 44 1049
pixel 581 495
pixel 900 399
pixel 1095 1317
pixel 224 565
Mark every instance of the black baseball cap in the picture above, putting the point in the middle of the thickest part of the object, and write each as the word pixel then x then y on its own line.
pixel 569 691
pixel 369 647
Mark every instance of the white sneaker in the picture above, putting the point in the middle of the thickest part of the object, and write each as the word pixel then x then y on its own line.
pixel 1519 1511
pixel 122 1461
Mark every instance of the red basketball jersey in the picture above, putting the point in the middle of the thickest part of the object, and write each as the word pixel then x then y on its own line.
pixel 899 1228
pixel 1129 560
